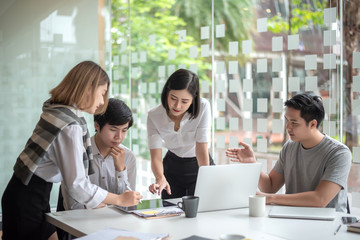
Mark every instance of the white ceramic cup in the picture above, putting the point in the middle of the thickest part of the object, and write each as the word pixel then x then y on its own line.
pixel 257 205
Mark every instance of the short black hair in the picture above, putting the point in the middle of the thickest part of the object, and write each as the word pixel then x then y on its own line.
pixel 179 80
pixel 117 113
pixel 311 107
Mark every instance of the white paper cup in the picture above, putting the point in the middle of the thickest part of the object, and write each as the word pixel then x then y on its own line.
pixel 257 205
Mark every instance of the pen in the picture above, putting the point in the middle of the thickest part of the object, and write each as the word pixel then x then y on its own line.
pixel 128 188
pixel 337 230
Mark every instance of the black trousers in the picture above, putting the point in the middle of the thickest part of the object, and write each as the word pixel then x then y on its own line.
pixel 24 208
pixel 181 174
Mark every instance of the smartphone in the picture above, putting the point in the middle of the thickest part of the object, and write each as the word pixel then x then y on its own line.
pixel 348 220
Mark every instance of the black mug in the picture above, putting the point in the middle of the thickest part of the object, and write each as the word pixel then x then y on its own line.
pixel 189 205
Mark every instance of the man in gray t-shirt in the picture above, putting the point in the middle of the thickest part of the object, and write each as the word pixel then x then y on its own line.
pixel 313 166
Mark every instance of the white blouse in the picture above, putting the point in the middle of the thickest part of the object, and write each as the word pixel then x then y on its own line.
pixel 161 130
pixel 64 162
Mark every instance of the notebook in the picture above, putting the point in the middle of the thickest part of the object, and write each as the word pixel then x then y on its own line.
pixel 302 213
pixel 229 186
pixel 147 204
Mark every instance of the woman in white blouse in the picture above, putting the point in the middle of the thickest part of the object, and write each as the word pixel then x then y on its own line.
pixel 182 124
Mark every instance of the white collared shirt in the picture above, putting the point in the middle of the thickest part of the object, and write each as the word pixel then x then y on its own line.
pixel 105 174
pixel 64 162
pixel 161 130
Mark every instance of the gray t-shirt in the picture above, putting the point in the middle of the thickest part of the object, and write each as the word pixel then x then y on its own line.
pixel 303 169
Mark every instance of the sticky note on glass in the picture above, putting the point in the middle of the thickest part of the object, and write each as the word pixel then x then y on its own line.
pixel 161 71
pixel 135 133
pixel 116 60
pixel 134 103
pixel 293 42
pixel 329 37
pixel 234 123
pixel 182 66
pixel 152 39
pixel 277 44
pixel 248 141
pixel 160 86
pixel 329 128
pixel 247 85
pixel 220 123
pixel 123 88
pixel 356 107
pixel 152 87
pixel 220 86
pixel 233 67
pixel 261 65
pixel 220 104
pixel 294 84
pixel 204 87
pixel 142 56
pixel 220 30
pixel 277 84
pixel 220 67
pixel 193 68
pixel 171 69
pixel 278 105
pixel 310 62
pixel 233 86
pixel 329 15
pixel 182 35
pixel 311 84
pixel 205 50
pixel 205 32
pixel 123 46
pixel 248 105
pixel 329 105
pixel 134 57
pixel 115 87
pixel 261 25
pixel 171 54
pixel 116 74
pixel 277 64
pixel 193 52
pixel 143 88
pixel 277 126
pixel 135 72
pixel 246 46
pixel 220 141
pixel 233 48
pixel 124 60
pixel 135 148
pixel 356 84
pixel 356 159
pixel 262 105
pixel 329 61
pixel 261 145
pixel 262 124
pixel 356 59
pixel 247 124
pixel 233 142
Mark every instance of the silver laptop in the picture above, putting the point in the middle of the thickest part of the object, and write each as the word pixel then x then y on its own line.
pixel 222 187
pixel 302 213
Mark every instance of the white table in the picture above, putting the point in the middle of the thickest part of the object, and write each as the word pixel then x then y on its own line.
pixel 207 224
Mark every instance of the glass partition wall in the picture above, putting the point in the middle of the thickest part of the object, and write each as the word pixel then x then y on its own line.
pixel 250 55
